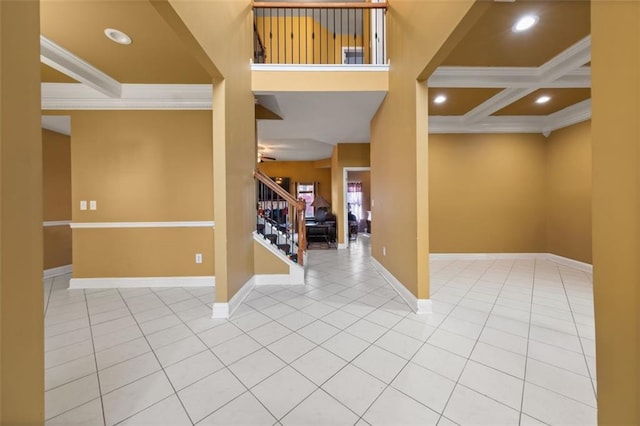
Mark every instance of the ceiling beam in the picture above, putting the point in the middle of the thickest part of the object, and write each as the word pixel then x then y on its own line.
pixel 505 77
pixel 496 103
pixel 71 65
pixel 68 96
pixel 567 61
pixel 544 124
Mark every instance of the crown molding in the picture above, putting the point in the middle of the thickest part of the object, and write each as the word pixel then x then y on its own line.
pixel 71 65
pixel 76 96
pixel 500 124
pixel 544 124
pixel 57 123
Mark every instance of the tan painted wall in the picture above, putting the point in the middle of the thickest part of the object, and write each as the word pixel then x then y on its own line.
pixel 142 252
pixel 345 155
pixel 56 195
pixel 568 192
pixel 300 171
pixel 21 301
pixel 265 262
pixel 56 176
pixel 234 143
pixel 142 166
pixel 415 33
pixel 327 81
pixel 615 132
pixel 487 193
pixel 57 246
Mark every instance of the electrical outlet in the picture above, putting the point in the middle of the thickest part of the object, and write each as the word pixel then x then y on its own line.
pixel 384 251
pixel 83 205
pixel 93 205
pixel 198 257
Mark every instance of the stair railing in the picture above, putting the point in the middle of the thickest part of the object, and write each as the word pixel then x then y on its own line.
pixel 281 217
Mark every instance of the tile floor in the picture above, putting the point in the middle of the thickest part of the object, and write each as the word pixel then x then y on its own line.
pixel 509 342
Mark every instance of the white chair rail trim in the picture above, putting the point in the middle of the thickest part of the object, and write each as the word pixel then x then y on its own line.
pixel 189 224
pixel 51 223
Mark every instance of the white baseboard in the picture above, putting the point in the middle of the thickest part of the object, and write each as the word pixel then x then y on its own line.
pixel 55 272
pixel 342 246
pixel 295 278
pixel 224 310
pixel 135 282
pixel 483 256
pixel 585 267
pixel 419 306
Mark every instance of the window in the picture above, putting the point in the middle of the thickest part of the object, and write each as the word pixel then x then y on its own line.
pixel 354 199
pixel 307 191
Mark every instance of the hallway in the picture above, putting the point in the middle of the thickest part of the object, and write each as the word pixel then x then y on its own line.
pixel 509 342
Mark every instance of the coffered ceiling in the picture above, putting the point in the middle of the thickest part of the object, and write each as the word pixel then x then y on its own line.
pixel 491 79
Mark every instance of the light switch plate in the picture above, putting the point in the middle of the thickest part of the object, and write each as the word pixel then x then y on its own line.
pixel 93 205
pixel 198 257
pixel 83 205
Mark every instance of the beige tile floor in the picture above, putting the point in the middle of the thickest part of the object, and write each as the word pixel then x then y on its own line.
pixel 510 342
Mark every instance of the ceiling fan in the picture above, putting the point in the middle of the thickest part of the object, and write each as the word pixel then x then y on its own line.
pixel 262 158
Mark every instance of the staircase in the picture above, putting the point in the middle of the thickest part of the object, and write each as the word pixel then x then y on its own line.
pixel 280 218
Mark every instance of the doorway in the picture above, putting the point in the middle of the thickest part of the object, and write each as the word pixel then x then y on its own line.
pixel 357 201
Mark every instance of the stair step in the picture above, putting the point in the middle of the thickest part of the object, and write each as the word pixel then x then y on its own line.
pixel 272 237
pixel 285 248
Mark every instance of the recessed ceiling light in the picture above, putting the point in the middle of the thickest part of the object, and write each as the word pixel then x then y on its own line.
pixel 440 99
pixel 543 99
pixel 117 36
pixel 525 23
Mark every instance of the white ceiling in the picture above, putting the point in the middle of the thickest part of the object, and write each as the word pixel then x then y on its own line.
pixel 313 122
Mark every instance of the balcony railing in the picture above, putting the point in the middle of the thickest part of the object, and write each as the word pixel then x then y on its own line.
pixel 319 33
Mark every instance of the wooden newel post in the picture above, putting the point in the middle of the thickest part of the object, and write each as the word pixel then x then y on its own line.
pixel 302 231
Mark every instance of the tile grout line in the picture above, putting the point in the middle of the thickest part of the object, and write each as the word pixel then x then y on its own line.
pixel 595 392
pixel 225 366
pixel 412 357
pixel 320 345
pixel 468 358
pixel 95 359
pixel 157 360
pixel 526 358
pixel 360 417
